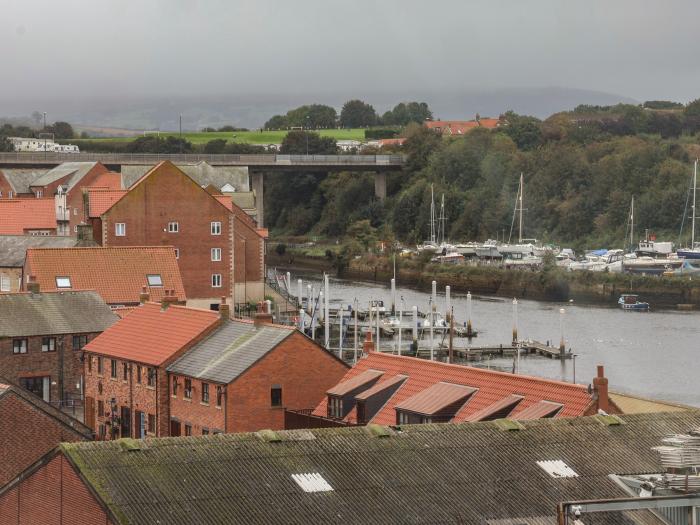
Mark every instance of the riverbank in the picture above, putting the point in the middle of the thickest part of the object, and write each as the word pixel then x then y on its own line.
pixel 553 284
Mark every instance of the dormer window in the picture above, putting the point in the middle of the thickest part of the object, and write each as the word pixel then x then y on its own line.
pixel 341 398
pixel 63 282
pixel 437 404
pixel 154 280
pixel 335 407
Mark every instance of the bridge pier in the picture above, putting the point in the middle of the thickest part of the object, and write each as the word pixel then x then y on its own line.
pixel 380 185
pixel 257 186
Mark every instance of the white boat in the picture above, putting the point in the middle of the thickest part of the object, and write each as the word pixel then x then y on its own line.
pixel 518 260
pixel 488 250
pixel 692 252
pixel 565 258
pixel 449 258
pixel 467 249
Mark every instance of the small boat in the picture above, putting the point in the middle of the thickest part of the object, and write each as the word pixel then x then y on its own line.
pixel 687 268
pixel 449 258
pixel 488 250
pixel 631 302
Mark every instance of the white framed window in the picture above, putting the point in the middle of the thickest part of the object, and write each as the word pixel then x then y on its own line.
pixel 216 228
pixel 216 280
pixel 154 279
pixel 63 282
pixel 177 253
pixel 173 227
pixel 216 254
pixel 48 344
pixel 120 229
pixel 75 211
pixel 4 283
pixel 75 228
pixel 19 346
pixel 39 194
pixel 10 194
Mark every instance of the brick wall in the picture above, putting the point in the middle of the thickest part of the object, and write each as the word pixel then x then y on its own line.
pixel 194 411
pixel 304 371
pixel 15 276
pixel 5 187
pixel 36 363
pixel 26 434
pixel 53 495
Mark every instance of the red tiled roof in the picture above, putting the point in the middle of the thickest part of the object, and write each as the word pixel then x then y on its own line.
pixel 109 180
pixel 489 123
pixel 435 398
pixel 380 387
pixel 391 142
pixel 538 410
pixel 151 335
pixel 505 404
pixel 117 274
pixel 492 387
pixel 19 215
pixel 102 199
pixel 354 382
pixel 460 127
pixel 225 200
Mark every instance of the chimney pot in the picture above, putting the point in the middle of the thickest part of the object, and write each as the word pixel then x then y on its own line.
pixel 600 388
pixel 144 297
pixel 601 371
pixel 224 309
pixel 32 285
pixel 261 319
pixel 368 344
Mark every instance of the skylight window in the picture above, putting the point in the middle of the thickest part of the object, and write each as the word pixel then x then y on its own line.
pixel 312 482
pixel 557 469
pixel 154 280
pixel 63 282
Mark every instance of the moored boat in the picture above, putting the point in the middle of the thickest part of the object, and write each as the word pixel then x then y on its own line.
pixel 628 301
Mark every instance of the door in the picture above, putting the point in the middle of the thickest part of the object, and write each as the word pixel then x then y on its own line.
pixel 90 412
pixel 126 422
pixel 140 424
pixel 174 428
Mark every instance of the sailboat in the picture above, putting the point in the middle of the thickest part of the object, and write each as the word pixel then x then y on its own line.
pixel 522 253
pixel 693 252
pixel 430 245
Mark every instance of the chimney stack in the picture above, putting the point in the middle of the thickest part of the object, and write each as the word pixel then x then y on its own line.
pixel 368 344
pixel 144 297
pixel 32 285
pixel 600 388
pixel 168 299
pixel 224 310
pixel 262 318
pixel 85 237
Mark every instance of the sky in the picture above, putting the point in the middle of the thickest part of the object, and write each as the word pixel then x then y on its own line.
pixel 81 50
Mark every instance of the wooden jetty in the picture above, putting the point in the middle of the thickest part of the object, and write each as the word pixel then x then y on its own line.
pixel 477 353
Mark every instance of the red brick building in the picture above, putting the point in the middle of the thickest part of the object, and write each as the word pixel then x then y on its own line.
pixel 117 274
pixel 389 389
pixel 219 248
pixel 126 383
pixel 30 428
pixel 41 340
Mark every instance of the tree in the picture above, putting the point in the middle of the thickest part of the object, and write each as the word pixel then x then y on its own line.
pixel 61 130
pixel 420 143
pixel 5 144
pixel 406 112
pixel 357 114
pixel 277 122
pixel 525 131
pixel 363 232
pixel 215 146
pixel 155 144
pixel 303 142
pixel 313 116
pixel 693 108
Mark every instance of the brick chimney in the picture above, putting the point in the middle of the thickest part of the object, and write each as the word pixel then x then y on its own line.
pixel 262 318
pixel 144 297
pixel 224 310
pixel 32 285
pixel 600 389
pixel 168 299
pixel 368 344
pixel 85 234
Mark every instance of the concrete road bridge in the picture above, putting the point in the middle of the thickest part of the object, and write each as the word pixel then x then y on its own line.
pixel 258 165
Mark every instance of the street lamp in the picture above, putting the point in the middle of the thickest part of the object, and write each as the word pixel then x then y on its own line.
pixel 562 344
pixel 307 135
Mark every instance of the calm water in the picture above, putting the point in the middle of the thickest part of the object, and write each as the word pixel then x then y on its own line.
pixel 653 354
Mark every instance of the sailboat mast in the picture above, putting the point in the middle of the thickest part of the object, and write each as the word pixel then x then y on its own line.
pixel 442 219
pixel 695 185
pixel 520 198
pixel 432 215
pixel 632 224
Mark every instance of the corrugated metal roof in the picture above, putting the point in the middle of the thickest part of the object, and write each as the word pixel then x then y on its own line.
pixel 494 408
pixel 436 398
pixel 359 380
pixel 229 351
pixel 462 473
pixel 538 410
pixel 73 312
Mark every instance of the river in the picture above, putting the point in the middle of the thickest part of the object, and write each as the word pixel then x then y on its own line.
pixel 649 354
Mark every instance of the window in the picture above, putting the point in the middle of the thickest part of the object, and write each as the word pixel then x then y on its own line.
pixel 113 368
pixel 75 228
pixel 216 228
pixel 216 254
pixel 188 429
pixel 75 211
pixel 188 389
pixel 89 364
pixel 10 194
pixel 100 408
pixel 173 227
pixel 19 346
pixel 174 386
pixel 100 365
pixel 276 396
pixel 154 280
pixel 152 423
pixel 216 280
pixel 4 283
pixel 63 282
pixel 205 431
pixel 48 344
pixel 79 342
pixel 151 376
pixel 335 407
pixel 219 395
pixel 120 229
pixel 205 393
pixel 138 375
pixel 177 253
pixel 39 194
pixel 125 372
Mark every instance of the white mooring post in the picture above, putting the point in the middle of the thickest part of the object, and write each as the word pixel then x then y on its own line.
pixel 377 319
pixel 433 301
pixel 448 301
pixel 415 323
pixel 515 336
pixel 288 283
pixel 469 315
pixel 355 305
pixel 400 324
pixel 326 313
pixel 300 288
pixel 301 319
pixel 393 296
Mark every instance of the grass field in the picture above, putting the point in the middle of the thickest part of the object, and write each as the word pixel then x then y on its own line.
pixel 248 137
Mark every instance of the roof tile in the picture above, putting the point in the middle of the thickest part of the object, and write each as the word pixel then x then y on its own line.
pixel 18 215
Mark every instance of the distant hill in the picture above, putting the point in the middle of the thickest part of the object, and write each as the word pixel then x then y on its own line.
pixel 251 111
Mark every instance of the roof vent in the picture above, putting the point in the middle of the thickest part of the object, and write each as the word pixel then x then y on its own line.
pixel 312 482
pixel 608 420
pixel 129 445
pixel 379 431
pixel 557 468
pixel 508 425
pixel 269 435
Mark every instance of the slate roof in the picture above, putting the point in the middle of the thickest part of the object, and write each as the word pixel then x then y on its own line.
pixel 18 215
pixel 203 174
pixel 151 335
pixel 491 386
pixel 14 247
pixel 73 312
pixel 20 179
pixel 77 169
pixel 229 351
pixel 464 473
pixel 117 274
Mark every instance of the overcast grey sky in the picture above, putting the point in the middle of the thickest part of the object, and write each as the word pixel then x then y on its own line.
pixel 635 48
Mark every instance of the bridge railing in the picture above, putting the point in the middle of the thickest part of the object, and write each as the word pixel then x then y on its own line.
pixel 243 160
